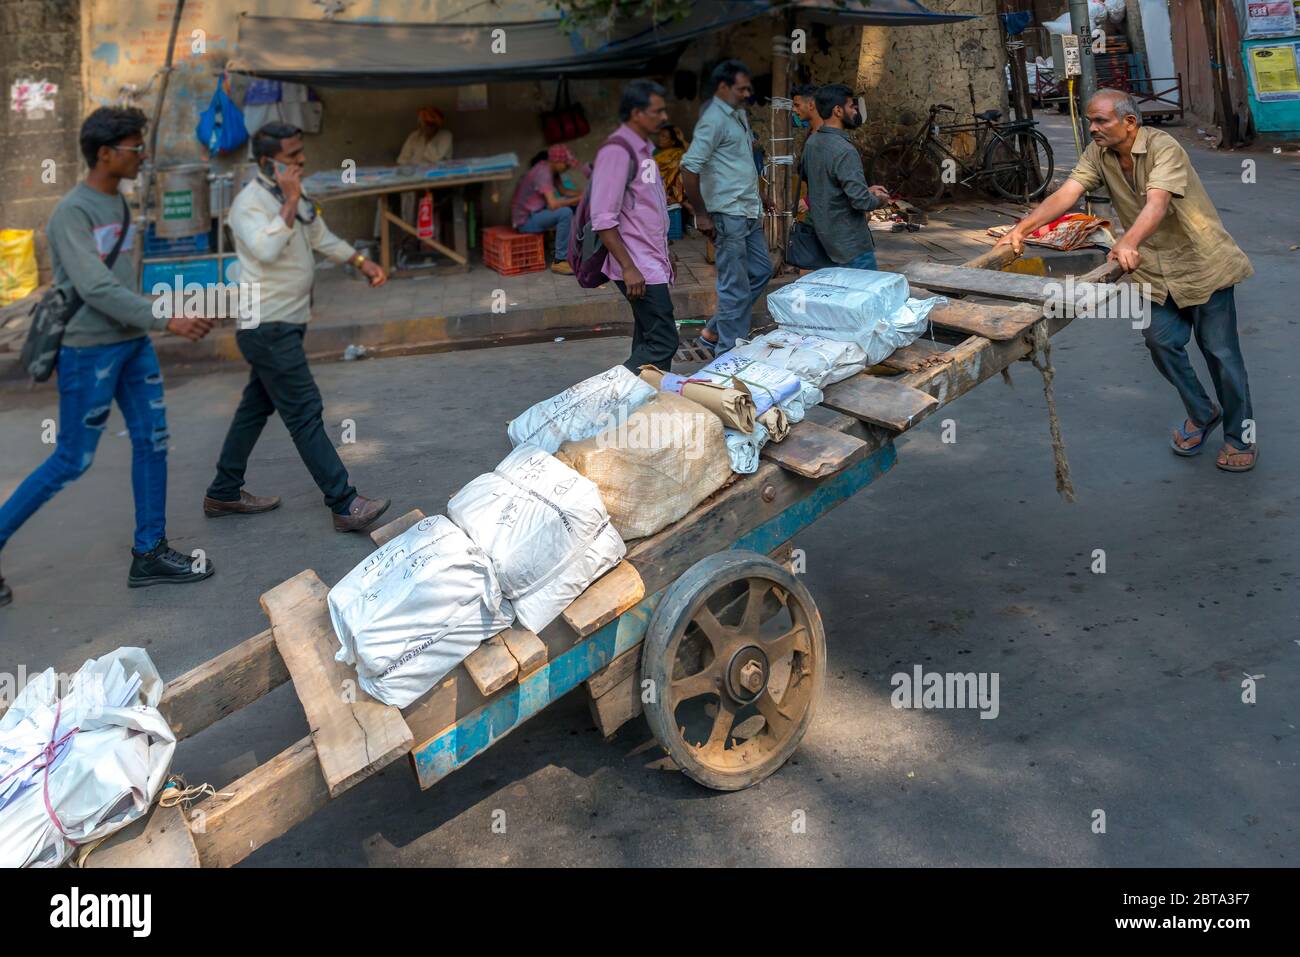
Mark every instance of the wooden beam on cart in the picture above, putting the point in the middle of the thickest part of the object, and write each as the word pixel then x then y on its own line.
pixel 354 735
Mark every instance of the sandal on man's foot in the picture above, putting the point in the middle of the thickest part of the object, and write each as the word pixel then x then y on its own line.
pixel 1231 458
pixel 1188 434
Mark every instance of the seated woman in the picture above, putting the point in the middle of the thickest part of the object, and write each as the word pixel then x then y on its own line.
pixel 671 146
pixel 541 202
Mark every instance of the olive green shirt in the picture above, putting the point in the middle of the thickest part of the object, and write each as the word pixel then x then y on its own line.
pixel 1190 256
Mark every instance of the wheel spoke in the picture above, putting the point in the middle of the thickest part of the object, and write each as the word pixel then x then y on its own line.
pixel 713 630
pixel 777 720
pixel 751 618
pixel 701 683
pixel 796 639
pixel 722 723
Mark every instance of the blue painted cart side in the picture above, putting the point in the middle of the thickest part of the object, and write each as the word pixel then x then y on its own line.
pixel 479 730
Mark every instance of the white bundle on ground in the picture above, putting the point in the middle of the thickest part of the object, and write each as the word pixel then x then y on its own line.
pixel 580 411
pixel 814 359
pixel 415 608
pixel 863 306
pixel 743 448
pixel 655 465
pixel 769 385
pixel 545 527
pixel 109 751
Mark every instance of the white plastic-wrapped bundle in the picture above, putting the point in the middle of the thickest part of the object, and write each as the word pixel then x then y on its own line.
pixel 769 385
pixel 544 526
pixel 863 306
pixel 797 406
pixel 580 411
pixel 76 767
pixel 415 608
pixel 743 448
pixel 814 359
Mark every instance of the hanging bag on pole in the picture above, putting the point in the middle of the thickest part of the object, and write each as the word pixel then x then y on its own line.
pixel 221 126
pixel 567 121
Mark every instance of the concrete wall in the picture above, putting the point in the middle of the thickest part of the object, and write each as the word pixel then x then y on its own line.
pixel 40 42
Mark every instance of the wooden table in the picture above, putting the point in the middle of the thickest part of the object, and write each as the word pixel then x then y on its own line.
pixel 458 253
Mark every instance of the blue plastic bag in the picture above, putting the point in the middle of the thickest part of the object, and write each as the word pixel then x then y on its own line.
pixel 221 126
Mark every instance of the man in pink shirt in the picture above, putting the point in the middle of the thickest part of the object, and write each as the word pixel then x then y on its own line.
pixel 539 205
pixel 629 212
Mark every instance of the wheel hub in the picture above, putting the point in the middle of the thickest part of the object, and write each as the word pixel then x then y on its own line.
pixel 747 674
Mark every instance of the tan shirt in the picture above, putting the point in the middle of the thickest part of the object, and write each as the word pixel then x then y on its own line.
pixel 1190 256
pixel 417 151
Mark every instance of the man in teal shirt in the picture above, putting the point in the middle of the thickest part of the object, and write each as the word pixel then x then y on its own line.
pixel 721 181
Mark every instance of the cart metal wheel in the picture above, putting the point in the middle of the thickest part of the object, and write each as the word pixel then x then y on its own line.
pixel 736 656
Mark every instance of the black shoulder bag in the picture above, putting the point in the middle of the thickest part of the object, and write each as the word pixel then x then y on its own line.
pixel 804 249
pixel 53 312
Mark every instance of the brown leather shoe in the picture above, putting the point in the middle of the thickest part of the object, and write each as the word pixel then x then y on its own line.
pixel 361 514
pixel 247 505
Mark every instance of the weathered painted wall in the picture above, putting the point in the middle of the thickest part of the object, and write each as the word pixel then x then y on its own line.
pixel 39 160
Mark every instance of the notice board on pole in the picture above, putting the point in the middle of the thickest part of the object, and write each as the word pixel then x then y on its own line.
pixel 1273 81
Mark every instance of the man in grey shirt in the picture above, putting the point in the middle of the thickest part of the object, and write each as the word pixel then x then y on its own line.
pixel 107 356
pixel 838 195
pixel 721 181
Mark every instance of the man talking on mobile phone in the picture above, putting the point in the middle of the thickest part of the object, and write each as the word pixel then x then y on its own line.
pixel 277 229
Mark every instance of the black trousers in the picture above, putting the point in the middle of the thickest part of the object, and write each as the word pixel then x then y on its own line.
pixel 280 381
pixel 654 331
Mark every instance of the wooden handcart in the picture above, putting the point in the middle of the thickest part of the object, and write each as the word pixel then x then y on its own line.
pixel 705 626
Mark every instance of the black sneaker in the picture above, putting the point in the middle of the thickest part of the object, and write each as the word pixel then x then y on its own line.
pixel 166 566
pixel 6 593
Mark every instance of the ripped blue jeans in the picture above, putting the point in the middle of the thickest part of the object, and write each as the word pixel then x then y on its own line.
pixel 90 379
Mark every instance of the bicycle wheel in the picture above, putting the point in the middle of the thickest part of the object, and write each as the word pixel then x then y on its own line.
pixel 1019 164
pixel 914 174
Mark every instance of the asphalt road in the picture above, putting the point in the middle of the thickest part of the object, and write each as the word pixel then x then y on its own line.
pixel 1119 692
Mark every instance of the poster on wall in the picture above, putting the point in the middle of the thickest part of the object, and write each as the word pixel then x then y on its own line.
pixel 1270 18
pixel 1273 70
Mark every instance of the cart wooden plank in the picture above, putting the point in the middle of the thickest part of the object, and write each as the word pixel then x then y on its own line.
pixel 619 705
pixel 353 738
pixel 880 401
pixel 528 650
pixel 221 686
pixel 990 321
pixel 962 280
pixel 491 665
pixel 259 807
pixel 602 682
pixel 159 839
pixel 815 451
pixel 917 355
pixel 386 533
pixel 605 599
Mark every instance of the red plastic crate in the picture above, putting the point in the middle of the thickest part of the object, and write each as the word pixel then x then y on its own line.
pixel 511 253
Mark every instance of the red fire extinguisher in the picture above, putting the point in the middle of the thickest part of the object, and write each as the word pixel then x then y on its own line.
pixel 424 220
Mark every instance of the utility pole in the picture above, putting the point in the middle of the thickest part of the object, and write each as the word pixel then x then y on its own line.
pixel 1224 113
pixel 1087 88
pixel 1021 101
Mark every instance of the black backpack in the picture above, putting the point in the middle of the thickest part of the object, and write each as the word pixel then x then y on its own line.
pixel 53 312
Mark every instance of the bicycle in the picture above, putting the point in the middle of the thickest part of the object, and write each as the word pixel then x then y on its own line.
pixel 1016 160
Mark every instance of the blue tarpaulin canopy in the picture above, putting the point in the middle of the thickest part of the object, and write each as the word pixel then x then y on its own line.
pixel 368 54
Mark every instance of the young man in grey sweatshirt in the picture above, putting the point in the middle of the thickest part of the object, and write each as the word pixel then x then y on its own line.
pixel 107 355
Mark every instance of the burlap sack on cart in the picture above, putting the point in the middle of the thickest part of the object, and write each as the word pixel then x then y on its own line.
pixel 732 404
pixel 654 466
pixel 544 526
pixel 415 608
pixel 580 411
